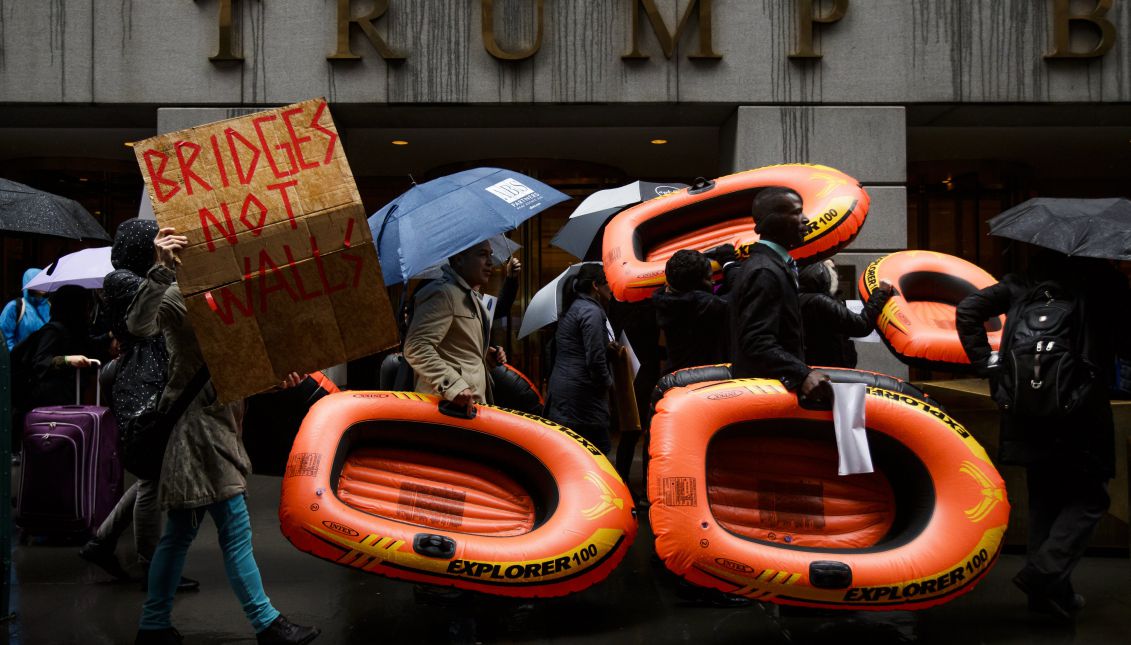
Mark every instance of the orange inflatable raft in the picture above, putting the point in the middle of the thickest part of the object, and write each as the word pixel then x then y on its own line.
pixel 515 391
pixel 918 323
pixel 272 419
pixel 638 241
pixel 502 503
pixel 746 499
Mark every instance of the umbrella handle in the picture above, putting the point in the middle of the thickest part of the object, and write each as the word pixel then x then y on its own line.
pixel 381 231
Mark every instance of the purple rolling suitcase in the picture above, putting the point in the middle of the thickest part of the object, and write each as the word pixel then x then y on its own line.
pixel 72 474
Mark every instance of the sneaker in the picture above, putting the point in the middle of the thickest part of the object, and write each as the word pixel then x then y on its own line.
pixel 103 555
pixel 283 632
pixel 167 636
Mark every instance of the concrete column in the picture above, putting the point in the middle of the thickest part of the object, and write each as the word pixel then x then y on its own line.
pixel 172 119
pixel 868 143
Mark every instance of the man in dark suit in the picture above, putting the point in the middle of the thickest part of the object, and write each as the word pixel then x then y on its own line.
pixel 766 329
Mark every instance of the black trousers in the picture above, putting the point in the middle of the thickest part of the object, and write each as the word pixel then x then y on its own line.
pixel 1064 509
pixel 597 434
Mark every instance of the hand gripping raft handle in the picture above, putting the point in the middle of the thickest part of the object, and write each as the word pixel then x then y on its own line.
pixel 458 411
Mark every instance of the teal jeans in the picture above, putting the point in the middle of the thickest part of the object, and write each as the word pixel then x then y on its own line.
pixel 233 526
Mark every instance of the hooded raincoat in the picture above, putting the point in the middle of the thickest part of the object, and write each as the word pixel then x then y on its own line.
pixel 205 461
pixel 143 364
pixel 24 315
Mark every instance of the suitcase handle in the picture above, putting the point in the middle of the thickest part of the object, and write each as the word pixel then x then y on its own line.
pixel 97 384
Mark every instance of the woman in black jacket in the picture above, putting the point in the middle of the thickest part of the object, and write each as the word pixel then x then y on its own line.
pixel 581 376
pixel 829 324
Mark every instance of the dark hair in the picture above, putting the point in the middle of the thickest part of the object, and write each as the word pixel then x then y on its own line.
pixel 766 198
pixel 687 269
pixel 588 276
pixel 814 278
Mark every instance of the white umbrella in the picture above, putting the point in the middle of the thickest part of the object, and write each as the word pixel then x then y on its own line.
pixel 546 305
pixel 86 268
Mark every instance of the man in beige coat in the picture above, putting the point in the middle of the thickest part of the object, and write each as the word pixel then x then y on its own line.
pixel 446 343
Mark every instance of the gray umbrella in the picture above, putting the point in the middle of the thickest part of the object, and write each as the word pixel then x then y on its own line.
pixel 546 304
pixel 579 236
pixel 26 210
pixel 1095 228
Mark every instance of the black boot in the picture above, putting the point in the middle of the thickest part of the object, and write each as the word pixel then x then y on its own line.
pixel 102 554
pixel 167 636
pixel 283 632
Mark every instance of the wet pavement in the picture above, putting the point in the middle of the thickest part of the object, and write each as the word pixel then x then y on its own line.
pixel 60 599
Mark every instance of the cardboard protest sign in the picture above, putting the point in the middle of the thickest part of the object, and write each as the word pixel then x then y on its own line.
pixel 281 274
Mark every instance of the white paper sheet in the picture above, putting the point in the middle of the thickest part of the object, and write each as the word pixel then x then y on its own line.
pixel 856 306
pixel 632 360
pixel 848 419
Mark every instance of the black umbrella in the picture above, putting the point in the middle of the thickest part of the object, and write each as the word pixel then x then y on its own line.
pixel 580 234
pixel 24 209
pixel 1095 228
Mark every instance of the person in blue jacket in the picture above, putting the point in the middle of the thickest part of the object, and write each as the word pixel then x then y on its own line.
pixel 24 315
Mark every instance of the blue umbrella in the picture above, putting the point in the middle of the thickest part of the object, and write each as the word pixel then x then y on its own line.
pixel 442 217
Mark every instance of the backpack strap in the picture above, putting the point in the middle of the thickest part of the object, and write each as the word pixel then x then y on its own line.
pixel 179 406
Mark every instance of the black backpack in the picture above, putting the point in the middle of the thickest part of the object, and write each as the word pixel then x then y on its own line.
pixel 1044 367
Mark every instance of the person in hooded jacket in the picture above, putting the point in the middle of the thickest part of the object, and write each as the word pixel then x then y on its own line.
pixel 829 325
pixel 695 321
pixel 205 467
pixel 135 382
pixel 23 316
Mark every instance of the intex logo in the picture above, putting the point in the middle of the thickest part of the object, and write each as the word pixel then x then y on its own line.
pixel 728 394
pixel 665 190
pixel 370 396
pixel 734 566
pixel 509 190
pixel 344 530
